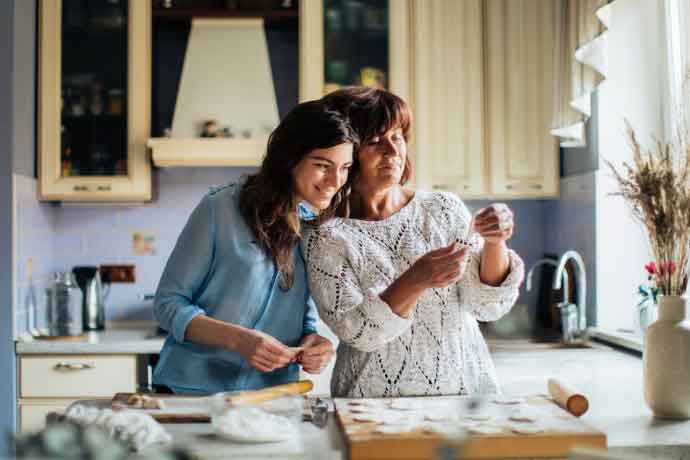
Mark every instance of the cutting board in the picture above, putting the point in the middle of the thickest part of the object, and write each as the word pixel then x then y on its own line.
pixel 561 430
pixel 178 408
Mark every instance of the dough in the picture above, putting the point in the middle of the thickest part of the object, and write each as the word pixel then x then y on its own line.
pixel 406 404
pixel 137 401
pixel 438 417
pixel 478 417
pixel 485 429
pixel 521 428
pixel 389 429
pixel 505 400
pixel 253 425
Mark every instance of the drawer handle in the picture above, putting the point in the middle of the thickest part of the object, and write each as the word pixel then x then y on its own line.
pixel 449 187
pixel 535 186
pixel 81 188
pixel 63 366
pixel 103 188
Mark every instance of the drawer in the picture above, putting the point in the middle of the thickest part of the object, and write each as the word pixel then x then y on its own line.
pixel 76 376
pixel 32 416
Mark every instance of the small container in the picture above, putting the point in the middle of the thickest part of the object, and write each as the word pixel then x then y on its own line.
pixel 271 421
pixel 64 306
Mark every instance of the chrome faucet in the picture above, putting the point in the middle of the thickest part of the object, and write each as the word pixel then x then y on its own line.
pixel 565 305
pixel 580 287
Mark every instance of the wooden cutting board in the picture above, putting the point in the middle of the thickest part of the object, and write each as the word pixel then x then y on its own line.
pixel 562 431
pixel 178 408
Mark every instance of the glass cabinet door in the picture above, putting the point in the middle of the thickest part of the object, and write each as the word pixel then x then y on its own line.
pixel 354 42
pixel 94 100
pixel 93 78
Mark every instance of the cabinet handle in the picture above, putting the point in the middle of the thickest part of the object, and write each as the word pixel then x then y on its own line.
pixel 64 366
pixel 103 188
pixel 449 187
pixel 81 188
pixel 535 186
pixel 513 186
pixel 441 187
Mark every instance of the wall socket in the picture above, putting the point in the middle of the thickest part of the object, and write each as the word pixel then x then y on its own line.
pixel 117 273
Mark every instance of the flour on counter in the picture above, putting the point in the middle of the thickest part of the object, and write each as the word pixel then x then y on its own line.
pixel 253 425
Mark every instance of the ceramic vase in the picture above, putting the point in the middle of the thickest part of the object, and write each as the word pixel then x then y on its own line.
pixel 666 360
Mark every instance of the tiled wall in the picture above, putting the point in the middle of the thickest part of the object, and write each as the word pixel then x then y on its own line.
pixel 570 224
pixel 59 237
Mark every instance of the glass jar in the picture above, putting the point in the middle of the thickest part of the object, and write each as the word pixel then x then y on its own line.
pixel 64 306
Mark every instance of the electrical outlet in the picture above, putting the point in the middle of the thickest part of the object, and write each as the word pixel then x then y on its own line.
pixel 117 273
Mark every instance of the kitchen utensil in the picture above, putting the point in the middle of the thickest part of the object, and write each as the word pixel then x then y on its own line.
pixel 195 409
pixel 567 397
pixel 94 295
pixel 278 391
pixel 64 306
pixel 30 301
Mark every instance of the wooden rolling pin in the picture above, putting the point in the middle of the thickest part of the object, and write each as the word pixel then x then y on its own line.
pixel 568 398
pixel 278 391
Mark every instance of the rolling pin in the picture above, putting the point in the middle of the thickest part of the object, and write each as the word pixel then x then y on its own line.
pixel 568 398
pixel 266 394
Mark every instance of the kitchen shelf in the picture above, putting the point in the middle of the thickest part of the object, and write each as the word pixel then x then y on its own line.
pixel 167 152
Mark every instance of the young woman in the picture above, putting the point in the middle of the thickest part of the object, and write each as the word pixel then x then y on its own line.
pixel 403 280
pixel 234 295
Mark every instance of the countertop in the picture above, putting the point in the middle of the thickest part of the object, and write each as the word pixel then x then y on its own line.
pixel 611 379
pixel 115 339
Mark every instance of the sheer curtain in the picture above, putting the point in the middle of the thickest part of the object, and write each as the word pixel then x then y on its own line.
pixel 678 46
pixel 580 65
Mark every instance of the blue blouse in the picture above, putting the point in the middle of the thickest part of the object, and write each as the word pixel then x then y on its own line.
pixel 217 269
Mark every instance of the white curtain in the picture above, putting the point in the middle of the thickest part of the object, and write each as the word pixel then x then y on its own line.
pixel 580 65
pixel 678 46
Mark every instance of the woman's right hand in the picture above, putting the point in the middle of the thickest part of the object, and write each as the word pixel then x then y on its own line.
pixel 439 268
pixel 263 352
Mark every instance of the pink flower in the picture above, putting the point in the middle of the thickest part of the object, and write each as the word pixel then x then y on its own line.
pixel 651 268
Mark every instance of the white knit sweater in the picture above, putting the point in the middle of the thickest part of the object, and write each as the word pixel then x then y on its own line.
pixel 439 350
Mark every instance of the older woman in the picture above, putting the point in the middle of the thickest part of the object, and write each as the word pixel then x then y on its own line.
pixel 404 279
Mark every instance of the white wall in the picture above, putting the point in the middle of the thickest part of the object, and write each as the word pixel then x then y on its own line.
pixel 633 91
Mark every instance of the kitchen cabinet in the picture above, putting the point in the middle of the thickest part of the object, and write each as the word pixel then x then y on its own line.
pixel 94 100
pixel 482 97
pixel 49 383
pixel 354 42
pixel 519 98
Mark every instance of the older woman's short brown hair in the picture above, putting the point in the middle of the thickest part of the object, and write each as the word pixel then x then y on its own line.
pixel 373 112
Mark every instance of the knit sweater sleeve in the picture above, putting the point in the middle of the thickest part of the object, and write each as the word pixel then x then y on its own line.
pixel 358 316
pixel 484 301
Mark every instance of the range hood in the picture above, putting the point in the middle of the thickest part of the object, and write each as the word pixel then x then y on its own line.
pixel 226 77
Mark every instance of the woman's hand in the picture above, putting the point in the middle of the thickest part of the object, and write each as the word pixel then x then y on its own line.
pixel 439 268
pixel 494 223
pixel 317 353
pixel 263 352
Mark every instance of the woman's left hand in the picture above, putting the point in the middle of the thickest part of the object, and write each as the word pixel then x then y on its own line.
pixel 317 353
pixel 494 223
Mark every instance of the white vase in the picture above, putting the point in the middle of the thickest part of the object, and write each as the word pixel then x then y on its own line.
pixel 667 360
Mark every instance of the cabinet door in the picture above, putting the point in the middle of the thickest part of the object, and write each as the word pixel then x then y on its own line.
pixel 32 414
pixel 364 42
pixel 94 101
pixel 519 78
pixel 448 93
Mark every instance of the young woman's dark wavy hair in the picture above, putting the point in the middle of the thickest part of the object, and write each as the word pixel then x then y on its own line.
pixel 267 199
pixel 373 112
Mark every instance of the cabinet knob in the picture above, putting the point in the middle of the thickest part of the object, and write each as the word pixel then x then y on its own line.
pixel 65 366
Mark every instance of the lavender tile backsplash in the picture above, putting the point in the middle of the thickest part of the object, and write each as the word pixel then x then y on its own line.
pixel 59 237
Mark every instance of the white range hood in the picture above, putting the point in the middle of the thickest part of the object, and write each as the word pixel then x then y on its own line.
pixel 226 77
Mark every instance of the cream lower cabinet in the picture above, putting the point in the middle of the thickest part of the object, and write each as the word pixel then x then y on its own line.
pixel 50 383
pixel 482 97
